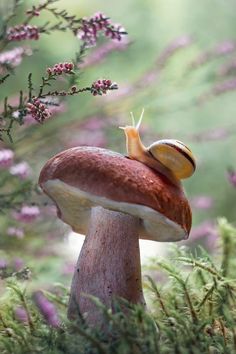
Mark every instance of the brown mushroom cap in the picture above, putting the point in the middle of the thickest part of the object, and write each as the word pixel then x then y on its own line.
pixel 82 177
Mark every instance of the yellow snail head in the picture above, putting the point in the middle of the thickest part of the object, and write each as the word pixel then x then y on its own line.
pixel 132 131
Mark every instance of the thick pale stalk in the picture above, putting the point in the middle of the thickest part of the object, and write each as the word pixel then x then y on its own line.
pixel 108 265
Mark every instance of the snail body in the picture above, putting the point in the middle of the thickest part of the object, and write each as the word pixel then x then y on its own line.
pixel 169 156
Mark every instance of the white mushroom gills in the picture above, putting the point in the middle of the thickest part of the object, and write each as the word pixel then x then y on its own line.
pixel 75 207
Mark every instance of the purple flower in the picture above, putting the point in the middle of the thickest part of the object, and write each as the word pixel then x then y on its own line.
pixel 6 158
pixel 21 315
pixel 221 49
pixel 225 86
pixel 27 213
pixel 18 264
pixel 47 309
pixel 3 263
pixel 56 107
pixel 22 32
pixel 61 68
pixel 100 87
pixel 225 47
pixel 173 47
pixel 206 232
pixel 202 202
pixel 115 32
pixel 90 27
pixel 38 110
pixel 21 170
pixel 14 56
pixel 99 23
pixel 15 232
pixel 153 74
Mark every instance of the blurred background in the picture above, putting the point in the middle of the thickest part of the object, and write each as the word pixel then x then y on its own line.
pixel 178 62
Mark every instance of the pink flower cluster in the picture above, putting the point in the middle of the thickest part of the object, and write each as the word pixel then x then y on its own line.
pixel 3 263
pixel 172 48
pixel 221 49
pixel 18 263
pixel 225 47
pixel 38 110
pixel 22 32
pixel 225 86
pixel 15 232
pixel 27 213
pixel 207 232
pixel 47 309
pixel 61 68
pixel 100 87
pixel 6 158
pixel 14 56
pixel 21 170
pixel 56 107
pixel 202 202
pixel 91 27
pixel 21 314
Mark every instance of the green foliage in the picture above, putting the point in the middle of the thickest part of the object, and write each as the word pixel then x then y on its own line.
pixel 15 194
pixel 193 311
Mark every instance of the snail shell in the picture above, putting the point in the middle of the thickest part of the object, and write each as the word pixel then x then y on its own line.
pixel 174 155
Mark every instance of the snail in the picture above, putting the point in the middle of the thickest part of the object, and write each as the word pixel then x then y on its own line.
pixel 168 156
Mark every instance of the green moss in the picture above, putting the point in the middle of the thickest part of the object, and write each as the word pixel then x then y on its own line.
pixel 192 310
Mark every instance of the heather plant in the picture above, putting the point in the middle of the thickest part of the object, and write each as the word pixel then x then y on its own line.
pixel 191 298
pixel 38 103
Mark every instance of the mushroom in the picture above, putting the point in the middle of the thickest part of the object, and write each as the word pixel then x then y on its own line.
pixel 114 201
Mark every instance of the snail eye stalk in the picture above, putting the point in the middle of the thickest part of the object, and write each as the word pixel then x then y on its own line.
pixel 140 120
pixel 133 120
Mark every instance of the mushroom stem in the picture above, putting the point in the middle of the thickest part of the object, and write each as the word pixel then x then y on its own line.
pixel 108 264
